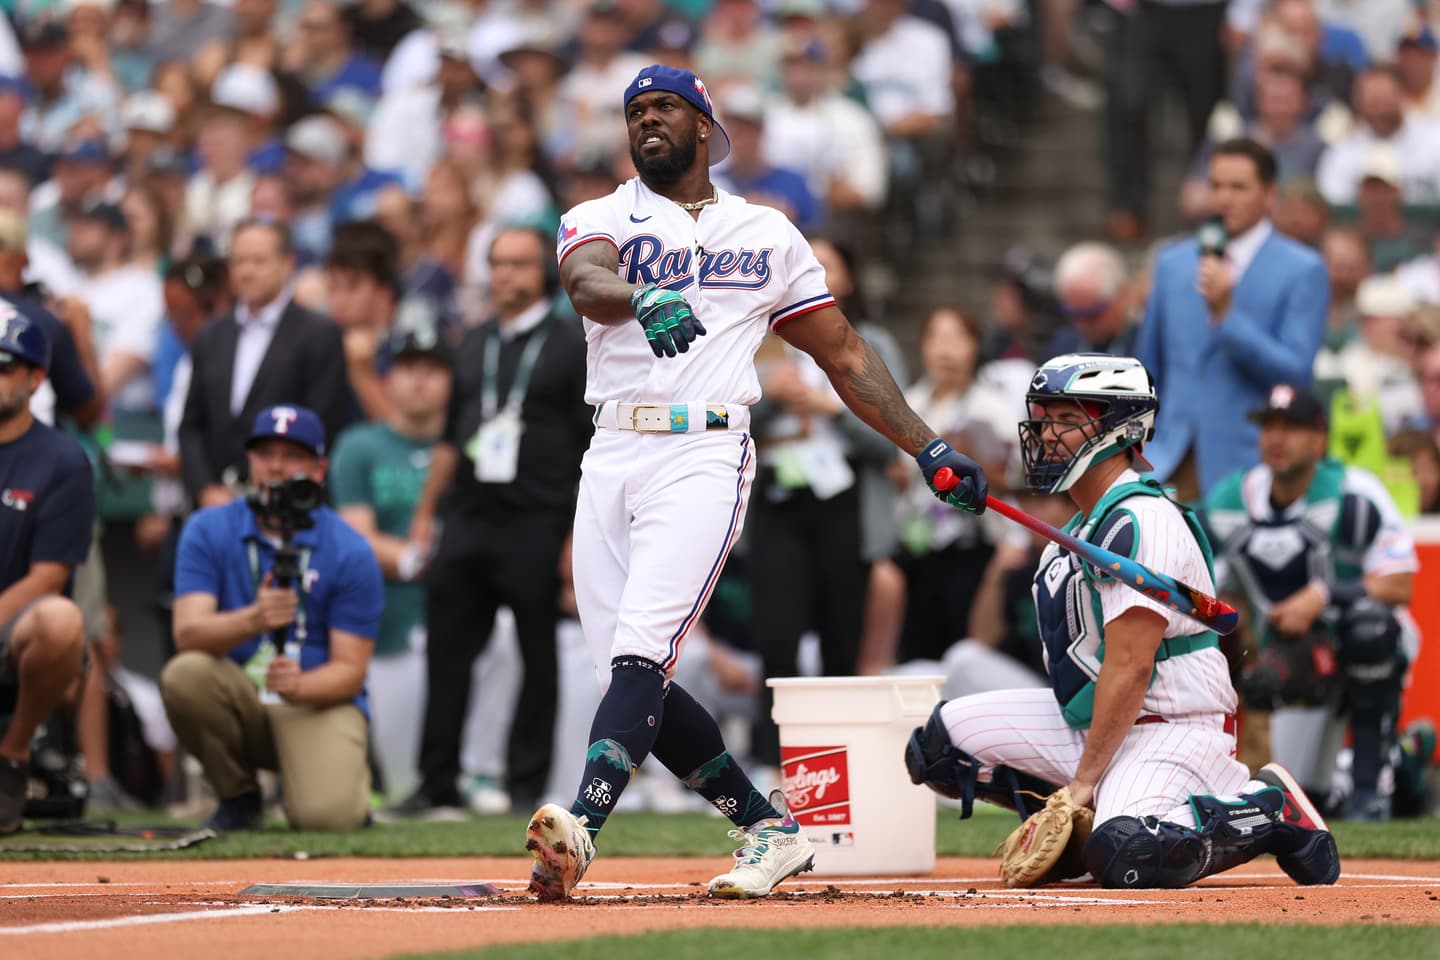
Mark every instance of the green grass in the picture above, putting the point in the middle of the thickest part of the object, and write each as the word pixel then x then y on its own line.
pixel 636 834
pixel 1111 942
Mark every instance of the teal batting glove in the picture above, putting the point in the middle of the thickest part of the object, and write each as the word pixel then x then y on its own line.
pixel 670 325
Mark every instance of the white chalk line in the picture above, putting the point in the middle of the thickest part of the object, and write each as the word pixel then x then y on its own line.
pixel 81 926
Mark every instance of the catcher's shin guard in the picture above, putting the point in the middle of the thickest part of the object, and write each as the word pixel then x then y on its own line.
pixel 1136 852
pixel 937 763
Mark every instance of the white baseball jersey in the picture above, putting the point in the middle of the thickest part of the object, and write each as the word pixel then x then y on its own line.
pixel 743 268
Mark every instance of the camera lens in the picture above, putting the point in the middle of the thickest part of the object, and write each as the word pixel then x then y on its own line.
pixel 304 494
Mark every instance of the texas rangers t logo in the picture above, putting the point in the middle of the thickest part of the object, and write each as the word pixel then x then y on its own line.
pixel 284 416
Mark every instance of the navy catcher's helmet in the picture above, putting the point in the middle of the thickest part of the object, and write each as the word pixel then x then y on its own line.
pixel 1117 394
pixel 23 338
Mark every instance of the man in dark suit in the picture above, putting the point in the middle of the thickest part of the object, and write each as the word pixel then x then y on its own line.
pixel 268 350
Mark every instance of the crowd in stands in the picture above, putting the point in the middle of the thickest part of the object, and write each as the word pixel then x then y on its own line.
pixel 215 208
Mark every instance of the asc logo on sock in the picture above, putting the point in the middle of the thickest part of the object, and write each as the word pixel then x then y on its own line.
pixel 598 791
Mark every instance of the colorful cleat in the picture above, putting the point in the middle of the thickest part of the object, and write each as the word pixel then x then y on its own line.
pixel 562 849
pixel 1311 857
pixel 772 851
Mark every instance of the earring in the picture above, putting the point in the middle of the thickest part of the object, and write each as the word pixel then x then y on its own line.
pixel 702 139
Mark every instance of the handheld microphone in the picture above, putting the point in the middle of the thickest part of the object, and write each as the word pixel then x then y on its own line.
pixel 1212 237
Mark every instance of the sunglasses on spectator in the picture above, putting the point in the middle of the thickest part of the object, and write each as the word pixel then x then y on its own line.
pixel 1092 312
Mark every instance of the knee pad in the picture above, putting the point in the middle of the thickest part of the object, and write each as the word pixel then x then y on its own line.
pixel 937 763
pixel 1128 852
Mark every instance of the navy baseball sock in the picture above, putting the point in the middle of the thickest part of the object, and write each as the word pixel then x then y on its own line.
pixel 690 746
pixel 621 736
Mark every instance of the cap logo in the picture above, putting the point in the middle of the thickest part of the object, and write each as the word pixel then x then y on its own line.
pixel 1041 381
pixel 645 82
pixel 1282 396
pixel 284 416
pixel 704 94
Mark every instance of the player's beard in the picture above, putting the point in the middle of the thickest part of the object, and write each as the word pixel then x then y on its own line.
pixel 668 167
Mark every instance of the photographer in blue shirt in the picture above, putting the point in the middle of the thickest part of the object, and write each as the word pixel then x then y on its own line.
pixel 277 606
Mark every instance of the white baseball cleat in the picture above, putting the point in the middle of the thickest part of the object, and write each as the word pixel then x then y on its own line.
pixel 771 851
pixel 562 849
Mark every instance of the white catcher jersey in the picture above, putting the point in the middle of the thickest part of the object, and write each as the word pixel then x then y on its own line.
pixel 744 268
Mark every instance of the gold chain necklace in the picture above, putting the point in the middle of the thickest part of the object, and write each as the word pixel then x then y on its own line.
pixel 714 197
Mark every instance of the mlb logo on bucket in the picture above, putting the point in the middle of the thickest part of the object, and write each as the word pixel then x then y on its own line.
pixel 816 784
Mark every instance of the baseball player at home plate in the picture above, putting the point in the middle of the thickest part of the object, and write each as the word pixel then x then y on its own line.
pixel 1137 730
pixel 678 282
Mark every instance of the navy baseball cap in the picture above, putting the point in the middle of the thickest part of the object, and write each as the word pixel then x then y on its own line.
pixel 688 87
pixel 1298 405
pixel 288 421
pixel 19 337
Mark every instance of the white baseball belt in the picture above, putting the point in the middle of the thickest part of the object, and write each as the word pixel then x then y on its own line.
pixel 672 417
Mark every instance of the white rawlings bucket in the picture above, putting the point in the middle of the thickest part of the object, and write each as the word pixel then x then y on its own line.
pixel 842 757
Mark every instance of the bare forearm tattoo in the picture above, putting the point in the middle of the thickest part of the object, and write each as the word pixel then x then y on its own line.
pixel 872 393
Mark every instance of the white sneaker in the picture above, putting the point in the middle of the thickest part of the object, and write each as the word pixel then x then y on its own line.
pixel 772 851
pixel 562 849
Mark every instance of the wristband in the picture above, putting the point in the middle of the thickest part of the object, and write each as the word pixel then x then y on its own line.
pixel 408 565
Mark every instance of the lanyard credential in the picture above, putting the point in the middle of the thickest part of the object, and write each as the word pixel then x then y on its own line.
pixel 490 381
pixel 254 553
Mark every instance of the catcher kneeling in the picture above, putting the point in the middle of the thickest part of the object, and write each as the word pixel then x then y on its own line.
pixel 1137 731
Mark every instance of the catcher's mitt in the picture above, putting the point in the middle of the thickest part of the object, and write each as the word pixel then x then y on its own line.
pixel 1046 847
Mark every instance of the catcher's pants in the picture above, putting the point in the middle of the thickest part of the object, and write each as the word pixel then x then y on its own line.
pixel 1156 770
pixel 319 751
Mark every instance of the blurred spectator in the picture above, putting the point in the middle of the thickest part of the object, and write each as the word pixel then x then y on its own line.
pixel 148 221
pixel 1422 451
pixel 1328 55
pixel 737 45
pixel 1381 118
pixel 1415 60
pixel 244 100
pixel 508 466
pixel 179 29
pixel 834 141
pixel 251 41
pixel 1230 323
pixel 1380 217
pixel 377 26
pixel 945 555
pixel 70 99
pixel 747 172
pixel 1348 263
pixel 81 175
pixel 1378 23
pixel 1421 276
pixel 125 301
pixel 447 215
pixel 904 66
pixel 376 476
pixel 271 675
pixel 602 64
pixel 41 630
pixel 534 60
pixel 71 385
pixel 1178 41
pixel 1280 123
pixel 15 151
pixel 148 120
pixel 1375 367
pixel 46 263
pixel 362 293
pixel 267 350
pixel 1301 212
pixel 428 290
pixel 326 59
pixel 1093 291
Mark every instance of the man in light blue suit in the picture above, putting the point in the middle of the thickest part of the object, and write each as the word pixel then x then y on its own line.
pixel 1228 318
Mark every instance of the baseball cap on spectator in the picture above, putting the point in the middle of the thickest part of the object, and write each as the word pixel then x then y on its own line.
pixel 809 9
pixel 87 152
pixel 801 48
pixel 99 211
pixel 689 88
pixel 43 33
pixel 744 103
pixel 319 138
pixel 1384 296
pixel 1297 405
pixel 246 88
pixel 1420 38
pixel 530 37
pixel 149 111
pixel 419 342
pixel 288 421
pixel 1382 163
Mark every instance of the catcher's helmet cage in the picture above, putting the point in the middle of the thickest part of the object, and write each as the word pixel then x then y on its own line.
pixel 20 336
pixel 1118 396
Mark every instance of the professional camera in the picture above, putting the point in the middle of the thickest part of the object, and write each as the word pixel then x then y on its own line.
pixel 287 503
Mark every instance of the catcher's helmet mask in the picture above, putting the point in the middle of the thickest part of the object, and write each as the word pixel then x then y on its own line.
pixel 1116 398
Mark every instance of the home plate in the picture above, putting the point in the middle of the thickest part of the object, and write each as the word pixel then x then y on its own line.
pixel 370 891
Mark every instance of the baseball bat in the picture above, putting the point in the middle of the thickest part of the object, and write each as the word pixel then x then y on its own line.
pixel 1180 597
